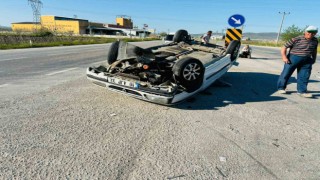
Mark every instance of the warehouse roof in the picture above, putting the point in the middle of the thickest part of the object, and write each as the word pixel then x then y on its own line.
pixel 26 23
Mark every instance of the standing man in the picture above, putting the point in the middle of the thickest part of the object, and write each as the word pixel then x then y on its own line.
pixel 206 37
pixel 302 54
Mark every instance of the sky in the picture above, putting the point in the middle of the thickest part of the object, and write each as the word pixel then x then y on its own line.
pixel 196 16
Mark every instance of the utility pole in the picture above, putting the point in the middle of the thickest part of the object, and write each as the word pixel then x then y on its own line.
pixel 242 28
pixel 283 15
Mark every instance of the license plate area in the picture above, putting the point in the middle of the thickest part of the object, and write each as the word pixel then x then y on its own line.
pixel 123 82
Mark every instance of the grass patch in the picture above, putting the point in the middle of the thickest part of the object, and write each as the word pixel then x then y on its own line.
pixel 268 43
pixel 14 41
pixel 263 43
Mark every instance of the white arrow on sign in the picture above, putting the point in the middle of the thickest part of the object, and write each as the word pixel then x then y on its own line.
pixel 237 21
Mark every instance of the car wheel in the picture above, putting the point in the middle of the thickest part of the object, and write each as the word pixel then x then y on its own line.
pixel 112 54
pixel 180 35
pixel 233 49
pixel 189 73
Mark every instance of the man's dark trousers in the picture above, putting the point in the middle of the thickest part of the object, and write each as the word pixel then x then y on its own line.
pixel 303 64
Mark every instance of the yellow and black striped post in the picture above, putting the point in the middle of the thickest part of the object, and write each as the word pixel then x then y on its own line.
pixel 233 34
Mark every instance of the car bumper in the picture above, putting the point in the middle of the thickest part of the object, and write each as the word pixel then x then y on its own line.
pixel 138 92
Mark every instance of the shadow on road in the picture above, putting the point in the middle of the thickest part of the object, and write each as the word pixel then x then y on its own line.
pixel 246 87
pixel 261 58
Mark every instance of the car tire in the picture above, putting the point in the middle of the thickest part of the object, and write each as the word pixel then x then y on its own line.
pixel 189 73
pixel 112 54
pixel 180 35
pixel 233 49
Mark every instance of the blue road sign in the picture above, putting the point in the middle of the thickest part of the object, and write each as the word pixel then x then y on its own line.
pixel 236 20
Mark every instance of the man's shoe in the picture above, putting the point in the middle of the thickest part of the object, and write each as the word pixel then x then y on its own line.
pixel 281 91
pixel 305 95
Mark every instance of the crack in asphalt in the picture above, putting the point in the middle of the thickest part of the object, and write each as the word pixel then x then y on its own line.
pixel 257 161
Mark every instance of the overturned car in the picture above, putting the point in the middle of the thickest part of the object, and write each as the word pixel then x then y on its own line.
pixel 165 74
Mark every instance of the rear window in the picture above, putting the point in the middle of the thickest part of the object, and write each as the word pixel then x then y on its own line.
pixel 169 37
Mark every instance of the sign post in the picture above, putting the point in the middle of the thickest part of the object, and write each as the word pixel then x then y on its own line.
pixel 235 20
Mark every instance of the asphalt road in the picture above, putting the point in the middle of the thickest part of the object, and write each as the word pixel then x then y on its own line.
pixel 55 124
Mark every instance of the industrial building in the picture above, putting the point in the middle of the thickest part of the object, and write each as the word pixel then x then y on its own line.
pixel 54 24
pixel 25 26
pixel 65 25
pixel 124 21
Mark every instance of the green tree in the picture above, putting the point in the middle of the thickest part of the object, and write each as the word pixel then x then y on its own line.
pixel 291 32
pixel 163 34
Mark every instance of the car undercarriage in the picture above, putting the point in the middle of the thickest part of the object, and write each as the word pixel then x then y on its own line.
pixel 165 70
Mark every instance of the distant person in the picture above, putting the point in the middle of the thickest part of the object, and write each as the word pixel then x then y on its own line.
pixel 302 55
pixel 206 37
pixel 246 48
pixel 246 51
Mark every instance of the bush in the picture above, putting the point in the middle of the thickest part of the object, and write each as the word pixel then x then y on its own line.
pixel 291 32
pixel 45 38
pixel 42 33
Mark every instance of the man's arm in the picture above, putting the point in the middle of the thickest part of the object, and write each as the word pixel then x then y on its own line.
pixel 314 56
pixel 284 55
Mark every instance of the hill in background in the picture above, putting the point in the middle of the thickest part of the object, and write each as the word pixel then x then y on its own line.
pixel 5 28
pixel 261 36
pixel 252 36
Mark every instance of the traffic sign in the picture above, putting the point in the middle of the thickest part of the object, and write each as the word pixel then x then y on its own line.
pixel 233 34
pixel 236 20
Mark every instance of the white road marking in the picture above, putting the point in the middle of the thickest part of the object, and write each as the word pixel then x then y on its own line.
pixel 4 85
pixel 100 62
pixel 59 54
pixel 73 52
pixel 93 50
pixel 57 72
pixel 10 59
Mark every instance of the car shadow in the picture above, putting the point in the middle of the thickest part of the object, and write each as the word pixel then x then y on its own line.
pixel 294 80
pixel 260 58
pixel 246 87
